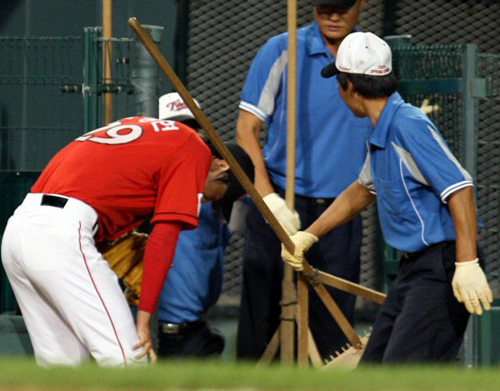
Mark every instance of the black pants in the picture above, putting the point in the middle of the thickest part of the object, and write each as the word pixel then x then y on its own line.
pixel 337 253
pixel 421 320
pixel 199 341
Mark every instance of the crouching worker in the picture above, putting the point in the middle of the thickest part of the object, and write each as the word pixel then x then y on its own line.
pixel 194 282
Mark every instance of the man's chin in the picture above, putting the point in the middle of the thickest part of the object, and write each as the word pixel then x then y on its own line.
pixel 336 35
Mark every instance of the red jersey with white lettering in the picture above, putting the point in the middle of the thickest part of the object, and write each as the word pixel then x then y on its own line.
pixel 131 169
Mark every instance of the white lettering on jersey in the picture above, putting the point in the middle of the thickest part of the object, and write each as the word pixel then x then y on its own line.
pixel 88 135
pixel 116 132
pixel 164 126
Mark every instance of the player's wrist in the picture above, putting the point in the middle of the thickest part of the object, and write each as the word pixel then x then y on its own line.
pixel 467 263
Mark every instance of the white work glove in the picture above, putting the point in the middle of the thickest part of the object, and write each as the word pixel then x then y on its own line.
pixel 289 219
pixel 471 287
pixel 427 108
pixel 303 242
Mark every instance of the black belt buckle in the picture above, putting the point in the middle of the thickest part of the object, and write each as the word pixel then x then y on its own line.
pixel 170 328
pixel 180 328
pixel 55 201
pixel 322 201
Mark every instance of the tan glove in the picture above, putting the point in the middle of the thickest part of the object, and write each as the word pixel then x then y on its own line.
pixel 289 219
pixel 126 257
pixel 471 287
pixel 303 242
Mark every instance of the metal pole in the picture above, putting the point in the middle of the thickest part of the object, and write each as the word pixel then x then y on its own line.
pixel 107 57
pixel 145 77
pixel 469 109
pixel 469 148
pixel 91 74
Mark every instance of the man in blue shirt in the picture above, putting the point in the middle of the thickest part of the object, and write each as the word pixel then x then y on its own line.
pixel 194 282
pixel 426 209
pixel 321 131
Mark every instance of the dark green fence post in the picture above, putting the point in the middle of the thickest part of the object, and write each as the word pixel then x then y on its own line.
pixel 470 113
pixel 92 74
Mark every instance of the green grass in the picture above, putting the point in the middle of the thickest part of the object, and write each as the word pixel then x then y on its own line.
pixel 25 375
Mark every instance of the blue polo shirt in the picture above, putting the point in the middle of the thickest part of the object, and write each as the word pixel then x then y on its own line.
pixel 412 172
pixel 194 282
pixel 330 139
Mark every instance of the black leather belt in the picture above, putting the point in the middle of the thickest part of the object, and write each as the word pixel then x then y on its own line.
pixel 181 328
pixel 425 251
pixel 55 201
pixel 317 201
pixel 311 200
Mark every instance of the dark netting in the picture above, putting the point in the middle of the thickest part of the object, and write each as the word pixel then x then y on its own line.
pixel 452 21
pixel 424 63
pixel 441 62
pixel 488 166
pixel 224 36
pixel 34 70
pixel 459 21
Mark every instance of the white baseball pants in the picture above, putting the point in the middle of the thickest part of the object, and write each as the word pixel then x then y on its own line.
pixel 69 297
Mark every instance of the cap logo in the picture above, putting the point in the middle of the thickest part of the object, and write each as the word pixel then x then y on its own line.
pixel 380 70
pixel 343 68
pixel 176 105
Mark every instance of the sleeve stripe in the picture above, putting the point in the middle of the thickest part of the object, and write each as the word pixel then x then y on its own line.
pixel 253 109
pixel 453 188
pixel 448 153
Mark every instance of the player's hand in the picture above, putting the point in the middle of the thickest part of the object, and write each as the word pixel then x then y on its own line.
pixel 303 242
pixel 145 341
pixel 471 287
pixel 289 219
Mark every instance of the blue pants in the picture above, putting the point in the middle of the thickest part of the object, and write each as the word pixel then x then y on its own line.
pixel 337 253
pixel 421 320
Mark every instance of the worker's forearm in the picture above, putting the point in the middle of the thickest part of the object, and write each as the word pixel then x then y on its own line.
pixel 247 136
pixel 262 180
pixel 463 212
pixel 346 206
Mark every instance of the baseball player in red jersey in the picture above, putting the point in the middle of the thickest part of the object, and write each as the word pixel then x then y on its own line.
pixel 99 187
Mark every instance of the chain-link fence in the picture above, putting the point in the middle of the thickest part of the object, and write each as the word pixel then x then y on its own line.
pixel 37 115
pixel 224 36
pixel 488 166
pixel 433 22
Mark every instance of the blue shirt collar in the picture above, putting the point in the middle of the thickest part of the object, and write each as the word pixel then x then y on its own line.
pixel 379 134
pixel 315 43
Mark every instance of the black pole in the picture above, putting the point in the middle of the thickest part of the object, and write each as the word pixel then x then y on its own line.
pixel 390 25
pixel 181 40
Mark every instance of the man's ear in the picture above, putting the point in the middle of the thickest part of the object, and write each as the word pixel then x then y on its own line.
pixel 351 90
pixel 223 165
pixel 219 164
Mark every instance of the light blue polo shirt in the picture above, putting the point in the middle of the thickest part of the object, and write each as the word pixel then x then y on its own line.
pixel 194 282
pixel 412 172
pixel 330 140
